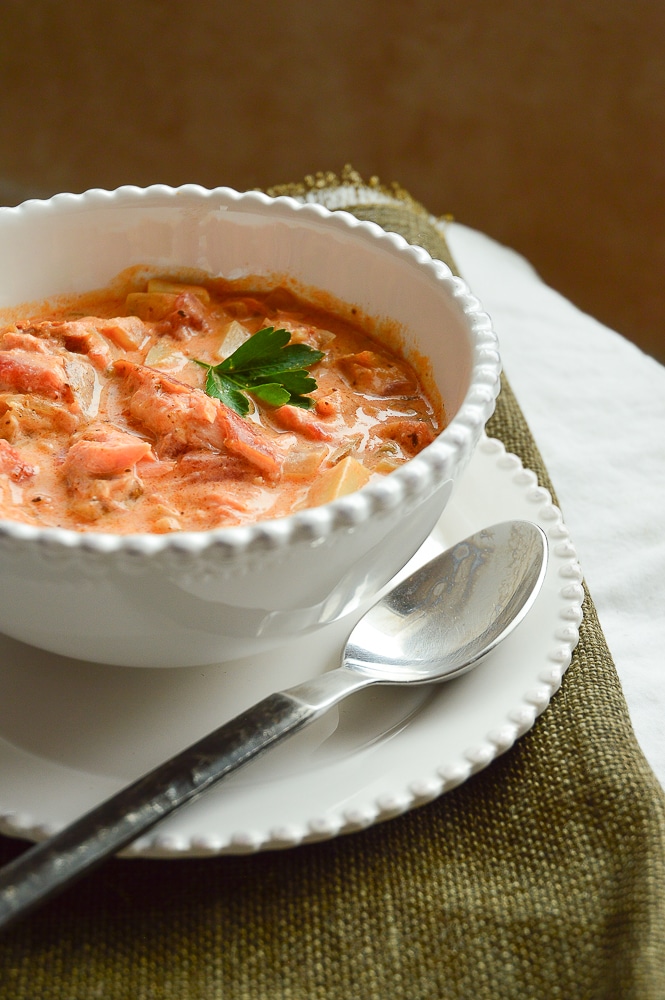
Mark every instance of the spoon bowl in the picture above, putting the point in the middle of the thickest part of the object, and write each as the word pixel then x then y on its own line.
pixel 437 623
pixel 446 616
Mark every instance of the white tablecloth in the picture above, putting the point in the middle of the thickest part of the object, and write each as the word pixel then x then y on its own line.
pixel 596 407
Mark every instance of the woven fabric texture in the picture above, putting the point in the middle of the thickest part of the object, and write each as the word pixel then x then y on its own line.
pixel 542 877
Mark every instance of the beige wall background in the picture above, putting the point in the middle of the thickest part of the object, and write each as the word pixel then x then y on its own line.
pixel 541 124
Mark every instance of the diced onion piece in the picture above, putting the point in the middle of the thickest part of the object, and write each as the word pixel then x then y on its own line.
pixel 236 334
pixel 165 524
pixel 177 288
pixel 386 465
pixel 324 338
pixel 84 384
pixel 349 444
pixel 126 332
pixel 389 457
pixel 303 463
pixel 150 306
pixel 345 477
pixel 164 355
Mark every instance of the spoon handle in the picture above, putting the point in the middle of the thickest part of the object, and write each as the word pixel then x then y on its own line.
pixel 45 869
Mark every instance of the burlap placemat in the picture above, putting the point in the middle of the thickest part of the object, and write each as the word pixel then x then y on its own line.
pixel 541 877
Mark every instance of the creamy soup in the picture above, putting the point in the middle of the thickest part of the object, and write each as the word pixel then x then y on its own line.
pixel 109 419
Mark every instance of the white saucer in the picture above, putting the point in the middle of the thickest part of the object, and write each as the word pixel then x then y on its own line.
pixel 73 733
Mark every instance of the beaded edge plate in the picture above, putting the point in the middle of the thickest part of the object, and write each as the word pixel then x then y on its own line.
pixel 73 733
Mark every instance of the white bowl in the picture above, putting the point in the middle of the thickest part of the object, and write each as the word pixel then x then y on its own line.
pixel 202 597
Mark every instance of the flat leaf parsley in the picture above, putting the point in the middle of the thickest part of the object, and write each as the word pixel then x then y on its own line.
pixel 266 366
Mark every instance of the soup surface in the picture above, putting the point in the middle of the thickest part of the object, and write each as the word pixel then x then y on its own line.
pixel 107 422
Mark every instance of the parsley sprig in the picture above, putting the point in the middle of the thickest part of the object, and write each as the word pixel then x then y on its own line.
pixel 266 366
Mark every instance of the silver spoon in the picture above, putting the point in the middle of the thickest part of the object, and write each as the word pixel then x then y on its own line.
pixel 433 626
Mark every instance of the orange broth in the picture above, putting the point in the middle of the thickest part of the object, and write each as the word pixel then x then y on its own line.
pixel 105 424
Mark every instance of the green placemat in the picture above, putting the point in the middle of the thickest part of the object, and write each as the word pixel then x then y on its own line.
pixel 542 877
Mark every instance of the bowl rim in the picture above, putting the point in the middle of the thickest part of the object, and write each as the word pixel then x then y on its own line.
pixel 416 478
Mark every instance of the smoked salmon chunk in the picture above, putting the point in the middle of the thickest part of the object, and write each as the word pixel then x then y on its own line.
pixel 29 371
pixel 105 451
pixel 63 378
pixel 12 339
pixel 13 465
pixel 294 418
pixel 189 314
pixel 411 435
pixel 99 472
pixel 79 336
pixel 371 372
pixel 184 418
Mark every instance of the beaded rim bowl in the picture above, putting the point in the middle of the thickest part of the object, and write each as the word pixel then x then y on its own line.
pixel 76 242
